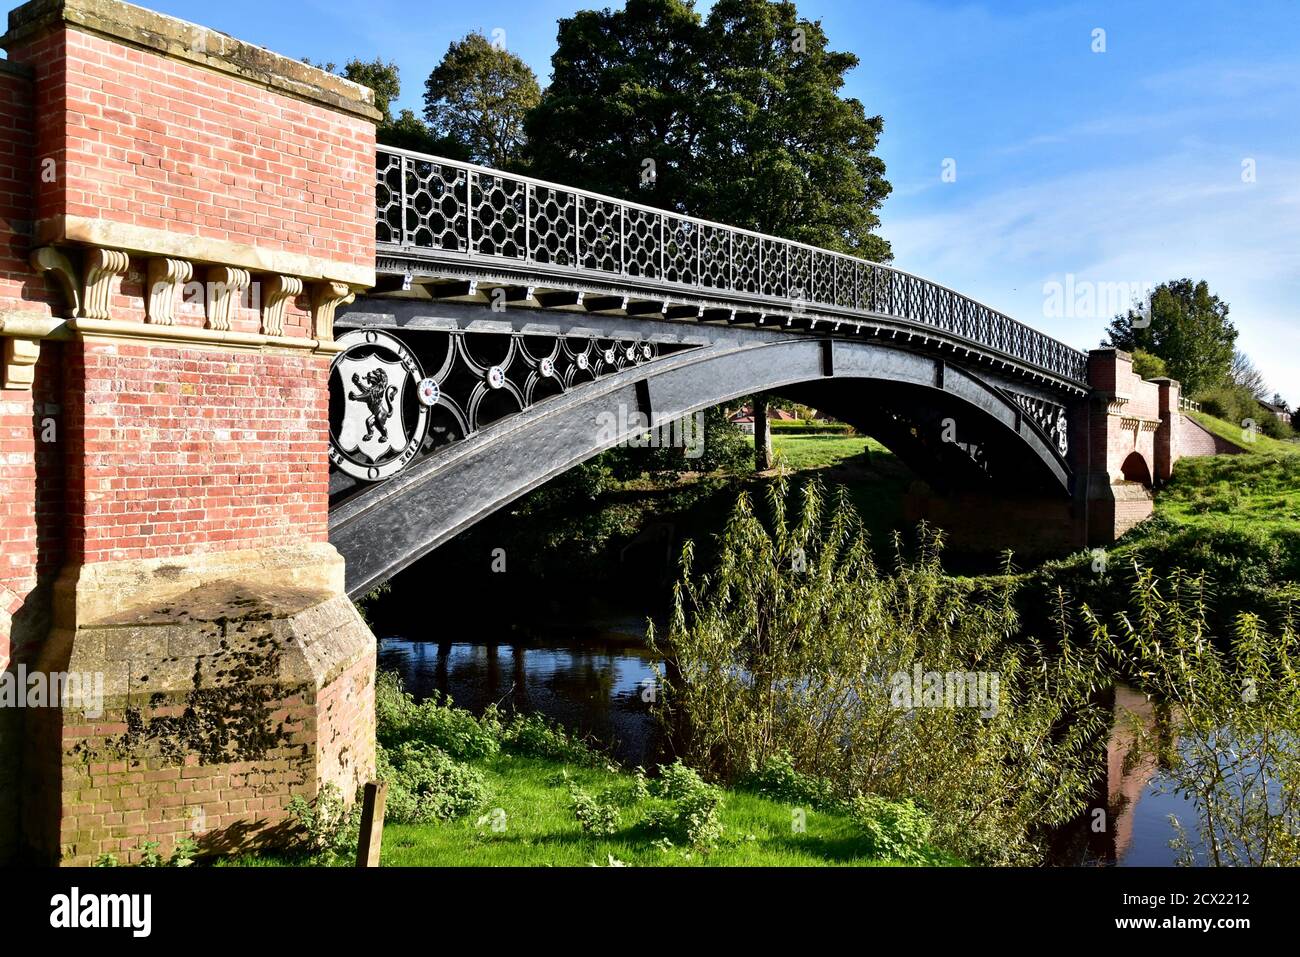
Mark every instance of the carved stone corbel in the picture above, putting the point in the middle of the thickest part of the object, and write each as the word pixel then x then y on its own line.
pixel 164 276
pixel 20 357
pixel 102 267
pixel 52 260
pixel 226 286
pixel 326 297
pixel 279 290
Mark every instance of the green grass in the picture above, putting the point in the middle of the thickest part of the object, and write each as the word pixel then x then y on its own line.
pixel 802 452
pixel 1236 435
pixel 540 829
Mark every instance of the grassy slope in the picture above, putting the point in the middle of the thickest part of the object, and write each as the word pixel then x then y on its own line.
pixel 541 829
pixel 1258 443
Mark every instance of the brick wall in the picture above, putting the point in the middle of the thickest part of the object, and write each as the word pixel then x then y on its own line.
pixel 153 142
pixel 1195 439
pixel 182 450
pixel 20 288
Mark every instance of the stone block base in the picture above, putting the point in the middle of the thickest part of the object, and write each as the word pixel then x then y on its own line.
pixel 218 705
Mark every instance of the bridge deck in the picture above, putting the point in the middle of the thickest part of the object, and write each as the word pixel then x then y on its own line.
pixel 475 230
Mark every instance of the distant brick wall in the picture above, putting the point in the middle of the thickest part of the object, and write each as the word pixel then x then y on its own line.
pixel 176 450
pixel 1195 439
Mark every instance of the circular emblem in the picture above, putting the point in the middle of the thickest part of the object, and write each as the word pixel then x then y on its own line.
pixel 647 351
pixel 547 368
pixel 428 392
pixel 1062 433
pixel 377 413
pixel 496 377
pixel 630 353
pixel 582 360
pixel 609 357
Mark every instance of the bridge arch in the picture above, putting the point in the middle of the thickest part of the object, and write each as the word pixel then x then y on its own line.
pixel 387 527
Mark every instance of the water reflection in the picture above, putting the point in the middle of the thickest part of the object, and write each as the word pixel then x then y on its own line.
pixel 595 687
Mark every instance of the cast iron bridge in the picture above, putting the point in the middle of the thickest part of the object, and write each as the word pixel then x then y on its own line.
pixel 537 325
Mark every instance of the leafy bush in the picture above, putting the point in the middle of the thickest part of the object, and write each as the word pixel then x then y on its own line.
pixel 897 829
pixel 534 736
pixel 436 721
pixel 331 825
pixel 687 809
pixel 777 779
pixel 426 784
pixel 598 816
pixel 762 660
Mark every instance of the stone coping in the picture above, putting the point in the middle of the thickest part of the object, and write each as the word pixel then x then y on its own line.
pixel 190 42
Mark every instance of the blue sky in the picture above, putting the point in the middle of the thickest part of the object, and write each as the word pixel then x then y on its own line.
pixel 1122 166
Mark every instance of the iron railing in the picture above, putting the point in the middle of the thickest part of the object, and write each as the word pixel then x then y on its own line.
pixel 429 208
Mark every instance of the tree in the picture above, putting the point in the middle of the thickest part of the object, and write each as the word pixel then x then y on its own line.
pixel 1148 366
pixel 789 155
pixel 1188 328
pixel 406 131
pixel 1243 373
pixel 736 118
pixel 381 77
pixel 478 97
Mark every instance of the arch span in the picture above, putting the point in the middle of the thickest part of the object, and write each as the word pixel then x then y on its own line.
pixel 883 388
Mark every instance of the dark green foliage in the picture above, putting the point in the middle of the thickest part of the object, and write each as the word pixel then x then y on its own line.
pixel 780 780
pixel 478 97
pixel 1189 329
pixel 435 721
pixel 684 808
pixel 790 642
pixel 897 829
pixel 740 114
pixel 425 784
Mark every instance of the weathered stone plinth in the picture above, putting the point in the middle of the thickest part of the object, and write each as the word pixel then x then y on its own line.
pixel 219 705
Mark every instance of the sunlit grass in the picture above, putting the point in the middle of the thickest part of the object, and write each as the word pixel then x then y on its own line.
pixel 540 829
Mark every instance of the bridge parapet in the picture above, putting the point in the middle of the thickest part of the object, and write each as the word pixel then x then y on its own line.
pixel 445 218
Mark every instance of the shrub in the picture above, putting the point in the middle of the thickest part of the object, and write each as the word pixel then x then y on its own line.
pixel 436 721
pixel 426 784
pixel 777 779
pixel 762 661
pixel 598 816
pixel 331 825
pixel 897 829
pixel 534 736
pixel 688 808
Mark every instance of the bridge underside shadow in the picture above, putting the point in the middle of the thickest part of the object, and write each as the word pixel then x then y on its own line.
pixel 952 427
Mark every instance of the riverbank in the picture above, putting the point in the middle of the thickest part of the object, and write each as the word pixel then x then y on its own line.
pixel 520 791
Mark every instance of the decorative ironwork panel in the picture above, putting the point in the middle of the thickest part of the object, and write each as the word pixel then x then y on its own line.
pixel 715 257
pixel 499 222
pixel 744 262
pixel 801 286
pixel 600 236
pixel 553 234
pixel 641 242
pixel 823 278
pixel 681 251
pixel 388 199
pixel 846 282
pixel 775 281
pixel 435 205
